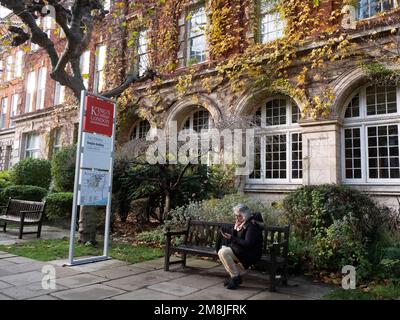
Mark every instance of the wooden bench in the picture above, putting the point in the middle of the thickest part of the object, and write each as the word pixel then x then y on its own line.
pixel 203 238
pixel 24 213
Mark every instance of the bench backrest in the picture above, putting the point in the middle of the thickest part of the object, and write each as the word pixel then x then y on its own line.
pixel 15 206
pixel 276 235
pixel 205 233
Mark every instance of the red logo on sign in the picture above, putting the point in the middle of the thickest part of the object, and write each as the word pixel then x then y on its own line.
pixel 99 116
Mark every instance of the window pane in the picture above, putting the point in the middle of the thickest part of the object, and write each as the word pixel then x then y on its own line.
pixel 352 153
pixel 196 38
pixel 369 8
pixel 257 159
pixel 297 156
pixel 381 100
pixel 271 23
pixel 353 108
pixel 276 112
pixel 383 152
pixel 276 143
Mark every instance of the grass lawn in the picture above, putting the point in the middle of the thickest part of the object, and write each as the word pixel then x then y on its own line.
pixel 47 250
pixel 378 292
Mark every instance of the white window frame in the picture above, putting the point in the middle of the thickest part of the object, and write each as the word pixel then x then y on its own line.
pixel 396 3
pixel 30 91
pixel 32 151
pixel 19 62
pixel 265 131
pixel 3 112
pixel 276 19
pixel 57 145
pixel 41 88
pixel 47 25
pixel 2 71
pixel 199 34
pixel 136 130
pixel 9 68
pixel 107 5
pixel 142 53
pixel 364 122
pixel 13 108
pixel 99 68
pixel 59 94
pixel 191 116
pixel 84 64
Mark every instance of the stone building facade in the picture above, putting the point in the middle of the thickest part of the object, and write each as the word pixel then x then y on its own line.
pixel 356 144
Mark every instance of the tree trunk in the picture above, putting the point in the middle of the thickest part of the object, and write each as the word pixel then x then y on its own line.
pixel 167 206
pixel 88 221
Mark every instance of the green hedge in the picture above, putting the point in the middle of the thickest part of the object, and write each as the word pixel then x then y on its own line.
pixel 333 226
pixel 63 169
pixel 23 192
pixel 59 205
pixel 33 172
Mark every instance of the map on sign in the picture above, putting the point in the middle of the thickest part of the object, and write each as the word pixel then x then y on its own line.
pixel 94 188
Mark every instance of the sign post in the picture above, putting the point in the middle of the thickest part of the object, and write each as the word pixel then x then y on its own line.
pixel 94 164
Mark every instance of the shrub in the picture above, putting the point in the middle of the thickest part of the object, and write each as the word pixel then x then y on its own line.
pixel 155 236
pixel 59 205
pixel 23 192
pixel 218 210
pixel 5 176
pixel 338 224
pixel 33 172
pixel 63 169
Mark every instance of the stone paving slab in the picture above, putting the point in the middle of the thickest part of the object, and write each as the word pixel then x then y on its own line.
pixel 118 272
pixel 4 255
pixel 79 280
pixel 19 260
pixel 197 281
pixel 21 292
pixel 145 294
pixel 92 267
pixel 45 297
pixel 92 292
pixel 267 295
pixel 311 290
pixel 4 262
pixel 219 292
pixel 173 288
pixel 3 297
pixel 23 279
pixel 136 282
pixel 64 272
pixel 4 285
pixel 23 267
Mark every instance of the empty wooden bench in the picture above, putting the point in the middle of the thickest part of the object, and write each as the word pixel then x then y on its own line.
pixel 24 213
pixel 202 238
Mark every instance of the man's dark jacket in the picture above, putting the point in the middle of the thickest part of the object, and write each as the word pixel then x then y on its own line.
pixel 247 243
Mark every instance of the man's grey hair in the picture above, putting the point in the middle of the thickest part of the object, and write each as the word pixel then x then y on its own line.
pixel 243 210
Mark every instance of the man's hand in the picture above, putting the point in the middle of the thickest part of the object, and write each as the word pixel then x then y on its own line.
pixel 226 235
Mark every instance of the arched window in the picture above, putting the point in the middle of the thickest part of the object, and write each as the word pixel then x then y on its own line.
pixel 370 143
pixel 140 130
pixel 198 120
pixel 278 143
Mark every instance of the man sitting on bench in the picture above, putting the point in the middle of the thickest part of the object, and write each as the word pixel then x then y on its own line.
pixel 243 245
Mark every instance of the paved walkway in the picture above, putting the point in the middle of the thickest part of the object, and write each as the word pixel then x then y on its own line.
pixel 48 232
pixel 21 278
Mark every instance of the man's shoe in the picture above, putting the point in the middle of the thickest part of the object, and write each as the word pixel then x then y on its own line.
pixel 234 282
